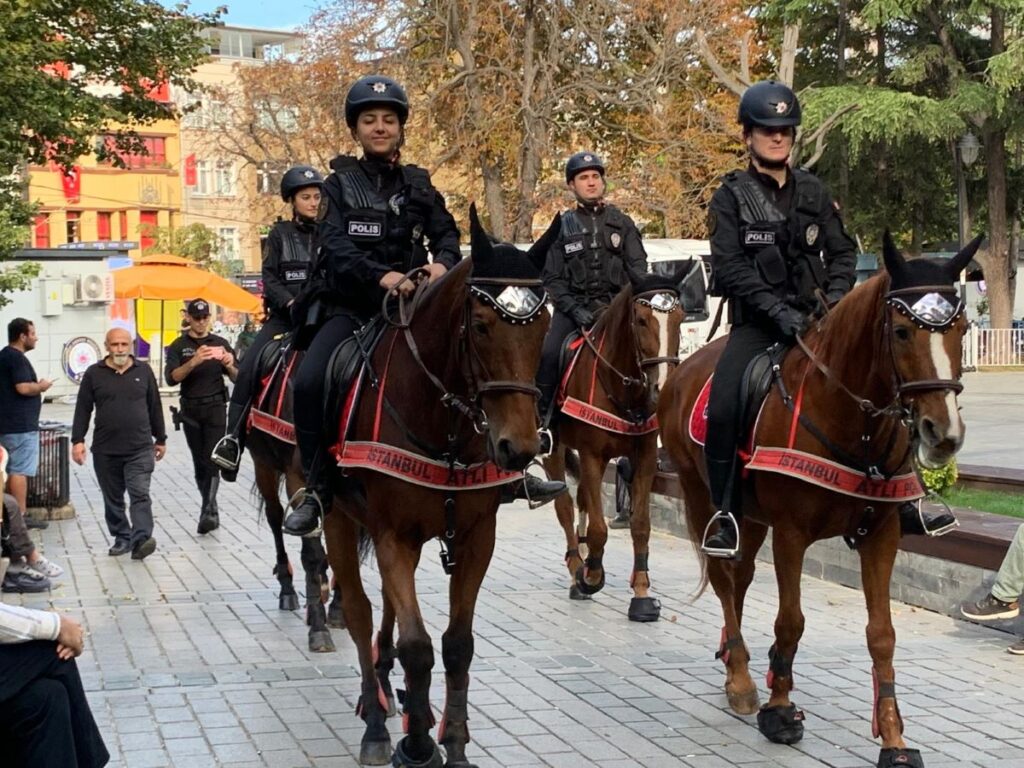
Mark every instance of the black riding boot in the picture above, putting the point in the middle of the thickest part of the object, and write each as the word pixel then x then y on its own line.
pixel 545 409
pixel 227 453
pixel 725 541
pixel 534 490
pixel 914 521
pixel 305 518
pixel 623 493
pixel 207 522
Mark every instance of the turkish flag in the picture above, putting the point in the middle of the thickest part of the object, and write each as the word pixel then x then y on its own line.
pixel 190 170
pixel 71 180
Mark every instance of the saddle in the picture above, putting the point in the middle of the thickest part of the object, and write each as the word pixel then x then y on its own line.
pixel 348 361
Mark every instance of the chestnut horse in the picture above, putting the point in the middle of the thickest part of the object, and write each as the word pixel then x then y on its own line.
pixel 452 394
pixel 607 410
pixel 276 460
pixel 873 388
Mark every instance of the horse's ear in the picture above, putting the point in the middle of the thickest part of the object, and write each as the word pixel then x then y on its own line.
pixel 538 253
pixel 479 243
pixel 959 262
pixel 894 261
pixel 682 273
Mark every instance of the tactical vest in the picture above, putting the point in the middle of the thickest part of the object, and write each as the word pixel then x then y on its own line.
pixel 391 229
pixel 297 252
pixel 785 245
pixel 592 251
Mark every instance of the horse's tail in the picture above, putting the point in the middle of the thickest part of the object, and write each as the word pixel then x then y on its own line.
pixel 365 544
pixel 572 464
pixel 695 532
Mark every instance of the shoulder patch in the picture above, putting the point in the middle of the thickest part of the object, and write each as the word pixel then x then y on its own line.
pixel 712 222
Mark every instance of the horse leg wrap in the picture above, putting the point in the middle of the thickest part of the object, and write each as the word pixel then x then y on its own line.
pixel 369 697
pixel 726 645
pixel 892 757
pixel 778 666
pixel 570 554
pixel 410 702
pixel 883 691
pixel 639 566
pixel 456 714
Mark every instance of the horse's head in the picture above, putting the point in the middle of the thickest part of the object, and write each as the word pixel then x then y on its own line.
pixel 505 325
pixel 925 323
pixel 657 316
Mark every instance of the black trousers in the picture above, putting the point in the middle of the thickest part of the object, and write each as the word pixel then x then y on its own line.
pixel 204 426
pixel 309 394
pixel 130 474
pixel 548 372
pixel 248 376
pixel 45 720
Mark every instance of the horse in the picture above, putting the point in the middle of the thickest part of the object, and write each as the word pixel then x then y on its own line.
pixel 607 402
pixel 449 416
pixel 866 393
pixel 271 442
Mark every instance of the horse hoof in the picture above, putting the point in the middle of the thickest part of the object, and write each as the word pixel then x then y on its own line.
pixel 321 642
pixel 459 764
pixel 375 753
pixel 781 725
pixel 335 616
pixel 288 602
pixel 575 594
pixel 891 757
pixel 744 703
pixel 584 587
pixel 400 759
pixel 644 609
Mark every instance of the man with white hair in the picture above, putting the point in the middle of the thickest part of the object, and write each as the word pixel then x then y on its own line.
pixel 129 436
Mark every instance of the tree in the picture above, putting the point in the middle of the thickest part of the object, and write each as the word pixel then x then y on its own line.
pixel 194 241
pixel 72 70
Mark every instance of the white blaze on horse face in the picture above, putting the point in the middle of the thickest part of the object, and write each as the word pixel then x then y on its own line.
pixel 944 370
pixel 663 350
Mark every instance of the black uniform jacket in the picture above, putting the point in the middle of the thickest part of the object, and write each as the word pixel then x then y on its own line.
pixel 288 255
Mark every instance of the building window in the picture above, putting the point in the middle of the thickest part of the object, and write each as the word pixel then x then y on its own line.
pixel 103 225
pixel 155 156
pixel 74 227
pixel 228 243
pixel 268 179
pixel 122 224
pixel 147 229
pixel 204 178
pixel 224 179
pixel 41 231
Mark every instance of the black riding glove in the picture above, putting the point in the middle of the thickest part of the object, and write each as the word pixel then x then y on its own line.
pixel 791 322
pixel 832 297
pixel 582 316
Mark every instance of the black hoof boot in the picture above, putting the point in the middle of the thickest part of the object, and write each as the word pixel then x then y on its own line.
pixel 402 760
pixel 288 602
pixel 584 587
pixel 320 641
pixel 781 725
pixel 644 609
pixel 375 752
pixel 891 757
pixel 575 594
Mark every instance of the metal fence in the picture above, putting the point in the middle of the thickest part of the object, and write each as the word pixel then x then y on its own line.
pixel 51 487
pixel 993 347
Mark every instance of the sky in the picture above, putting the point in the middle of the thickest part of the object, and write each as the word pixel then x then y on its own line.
pixel 271 14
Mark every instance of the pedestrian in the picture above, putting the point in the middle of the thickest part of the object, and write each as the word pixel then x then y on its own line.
pixel 769 225
pixel 1003 600
pixel 245 339
pixel 21 398
pixel 28 571
pixel 287 261
pixel 128 438
pixel 199 361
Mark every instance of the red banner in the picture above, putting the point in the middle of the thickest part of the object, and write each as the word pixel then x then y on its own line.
pixel 272 425
pixel 420 470
pixel 71 180
pixel 190 170
pixel 607 421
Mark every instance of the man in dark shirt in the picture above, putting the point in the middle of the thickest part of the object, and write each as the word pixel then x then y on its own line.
pixel 199 361
pixel 129 436
pixel 20 402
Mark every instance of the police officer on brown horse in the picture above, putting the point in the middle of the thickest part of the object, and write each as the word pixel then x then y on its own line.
pixel 287 261
pixel 777 243
pixel 598 251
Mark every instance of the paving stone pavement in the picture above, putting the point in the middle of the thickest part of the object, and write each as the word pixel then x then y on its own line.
pixel 190 663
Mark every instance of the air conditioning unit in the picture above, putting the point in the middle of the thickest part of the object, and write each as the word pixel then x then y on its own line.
pixel 94 288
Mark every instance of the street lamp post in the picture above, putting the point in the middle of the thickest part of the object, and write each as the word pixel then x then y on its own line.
pixel 966 151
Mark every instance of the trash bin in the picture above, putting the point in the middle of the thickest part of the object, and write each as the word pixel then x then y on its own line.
pixel 51 486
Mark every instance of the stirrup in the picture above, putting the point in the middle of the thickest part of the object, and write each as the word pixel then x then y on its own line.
pixel 547 442
pixel 526 488
pixel 222 462
pixel 297 500
pixel 725 554
pixel 942 530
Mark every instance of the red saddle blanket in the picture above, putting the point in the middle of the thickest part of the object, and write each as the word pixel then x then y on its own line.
pixel 809 467
pixel 265 415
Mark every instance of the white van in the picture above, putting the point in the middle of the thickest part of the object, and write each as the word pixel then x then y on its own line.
pixel 665 256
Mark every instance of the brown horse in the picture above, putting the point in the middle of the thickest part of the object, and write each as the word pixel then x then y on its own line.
pixel 871 388
pixel 608 403
pixel 450 416
pixel 275 460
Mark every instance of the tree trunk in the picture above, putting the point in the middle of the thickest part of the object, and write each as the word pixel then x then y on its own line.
pixel 997 257
pixel 844 156
pixel 529 154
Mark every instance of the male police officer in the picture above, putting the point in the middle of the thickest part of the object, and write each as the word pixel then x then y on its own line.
pixel 199 361
pixel 598 251
pixel 776 240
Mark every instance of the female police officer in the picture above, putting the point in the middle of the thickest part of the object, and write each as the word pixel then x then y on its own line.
pixel 377 213
pixel 287 258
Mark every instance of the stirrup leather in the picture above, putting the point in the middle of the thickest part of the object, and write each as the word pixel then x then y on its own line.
pixel 220 461
pixel 727 554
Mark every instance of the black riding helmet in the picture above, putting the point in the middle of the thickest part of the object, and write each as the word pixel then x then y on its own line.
pixel 770 104
pixel 582 161
pixel 375 91
pixel 297 178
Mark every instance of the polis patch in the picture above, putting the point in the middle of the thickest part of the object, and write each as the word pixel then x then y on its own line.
pixel 573 247
pixel 294 275
pixel 364 229
pixel 759 238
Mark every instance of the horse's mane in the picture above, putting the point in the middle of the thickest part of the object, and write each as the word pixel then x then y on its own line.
pixel 854 325
pixel 617 310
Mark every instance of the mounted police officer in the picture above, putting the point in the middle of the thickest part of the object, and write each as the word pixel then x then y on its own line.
pixel 776 241
pixel 287 262
pixel 199 361
pixel 598 252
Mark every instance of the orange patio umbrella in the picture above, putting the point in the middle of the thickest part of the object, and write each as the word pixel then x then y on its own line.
pixel 168 277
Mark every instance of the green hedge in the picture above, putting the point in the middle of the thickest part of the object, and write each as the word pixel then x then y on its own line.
pixel 940 480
